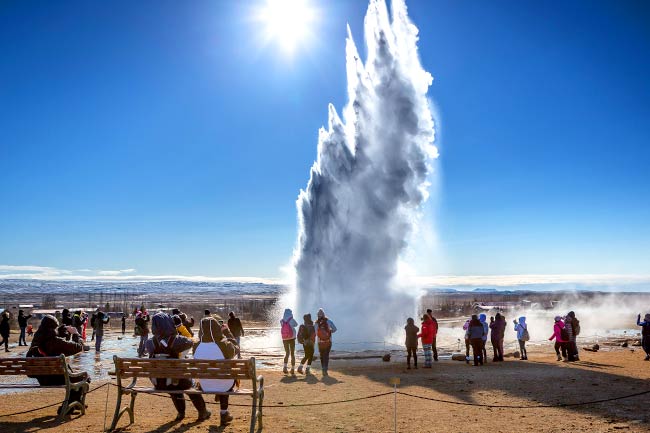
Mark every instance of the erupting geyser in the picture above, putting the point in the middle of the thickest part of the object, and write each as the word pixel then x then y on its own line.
pixel 368 184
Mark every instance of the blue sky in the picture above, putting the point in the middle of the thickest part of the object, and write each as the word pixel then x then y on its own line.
pixel 165 138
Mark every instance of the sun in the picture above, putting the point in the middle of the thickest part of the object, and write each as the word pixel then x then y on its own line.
pixel 288 23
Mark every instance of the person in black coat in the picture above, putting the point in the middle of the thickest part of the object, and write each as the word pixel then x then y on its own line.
pixel 4 330
pixel 22 324
pixel 234 324
pixel 48 341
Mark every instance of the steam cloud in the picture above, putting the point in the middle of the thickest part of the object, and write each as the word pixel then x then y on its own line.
pixel 368 183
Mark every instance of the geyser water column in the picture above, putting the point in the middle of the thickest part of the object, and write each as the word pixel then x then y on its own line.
pixel 367 185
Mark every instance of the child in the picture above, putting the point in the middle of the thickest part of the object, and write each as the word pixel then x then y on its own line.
pixel 427 340
pixel 411 343
pixel 522 336
pixel 645 334
pixel 307 337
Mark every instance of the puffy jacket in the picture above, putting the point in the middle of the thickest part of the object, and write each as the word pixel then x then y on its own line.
pixel 476 331
pixel 411 335
pixel 234 324
pixel 486 328
pixel 557 332
pixel 22 320
pixel 498 328
pixel 428 332
pixel 48 343
pixel 520 328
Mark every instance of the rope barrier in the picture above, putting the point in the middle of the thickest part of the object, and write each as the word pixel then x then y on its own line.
pixel 50 405
pixel 541 406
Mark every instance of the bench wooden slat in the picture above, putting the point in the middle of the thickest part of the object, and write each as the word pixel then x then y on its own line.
pixel 42 366
pixel 150 390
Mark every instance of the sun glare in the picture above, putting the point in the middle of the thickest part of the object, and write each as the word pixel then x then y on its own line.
pixel 288 23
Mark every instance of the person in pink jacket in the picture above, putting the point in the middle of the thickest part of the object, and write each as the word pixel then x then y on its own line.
pixel 561 338
pixel 427 335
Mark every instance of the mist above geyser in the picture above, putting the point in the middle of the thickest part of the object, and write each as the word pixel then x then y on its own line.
pixel 368 184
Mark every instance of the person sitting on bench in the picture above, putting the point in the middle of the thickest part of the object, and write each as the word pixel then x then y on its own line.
pixel 47 342
pixel 166 342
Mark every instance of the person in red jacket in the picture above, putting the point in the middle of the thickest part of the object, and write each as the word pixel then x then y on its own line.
pixel 561 341
pixel 427 335
pixel 435 333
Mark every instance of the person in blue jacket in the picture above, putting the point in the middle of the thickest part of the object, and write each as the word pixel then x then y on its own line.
pixel 645 334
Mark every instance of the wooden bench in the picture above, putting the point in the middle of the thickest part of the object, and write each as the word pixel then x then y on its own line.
pixel 45 366
pixel 152 368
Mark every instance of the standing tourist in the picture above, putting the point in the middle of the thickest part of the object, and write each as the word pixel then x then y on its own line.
pixel 476 332
pixel 573 328
pixel 486 329
pixel 5 330
pixel 235 326
pixel 522 336
pixel 288 331
pixel 142 329
pixel 434 348
pixel 324 330
pixel 561 338
pixel 188 323
pixel 467 344
pixel 427 339
pixel 22 324
pixel 411 343
pixel 307 337
pixel 123 323
pixel 497 334
pixel 100 321
pixel 645 334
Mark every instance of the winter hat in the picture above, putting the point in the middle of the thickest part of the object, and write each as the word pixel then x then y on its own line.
pixel 177 320
pixel 206 312
pixel 320 313
pixel 558 318
pixel 410 321
pixel 176 312
pixel 231 314
pixel 307 319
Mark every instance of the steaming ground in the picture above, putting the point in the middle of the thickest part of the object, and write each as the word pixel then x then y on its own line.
pixel 368 184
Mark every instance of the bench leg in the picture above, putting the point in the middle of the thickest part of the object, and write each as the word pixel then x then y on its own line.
pixel 120 411
pixel 259 414
pixel 253 414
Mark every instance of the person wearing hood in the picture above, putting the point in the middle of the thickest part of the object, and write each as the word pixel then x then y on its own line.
pixel 497 333
pixel 645 334
pixel 476 332
pixel 560 339
pixel 522 336
pixel 47 342
pixel 324 330
pixel 411 343
pixel 166 342
pixel 22 324
pixel 5 330
pixel 142 329
pixel 307 337
pixel 288 330
pixel 486 329
pixel 572 326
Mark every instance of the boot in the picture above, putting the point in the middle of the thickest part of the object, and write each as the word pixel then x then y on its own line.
pixel 559 357
pixel 300 369
pixel 226 418
pixel 292 371
pixel 308 370
pixel 285 370
pixel 205 415
pixel 647 358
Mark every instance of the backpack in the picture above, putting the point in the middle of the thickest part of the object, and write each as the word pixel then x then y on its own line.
pixel 525 336
pixel 324 332
pixel 564 334
pixel 287 330
pixel 575 324
pixel 301 334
